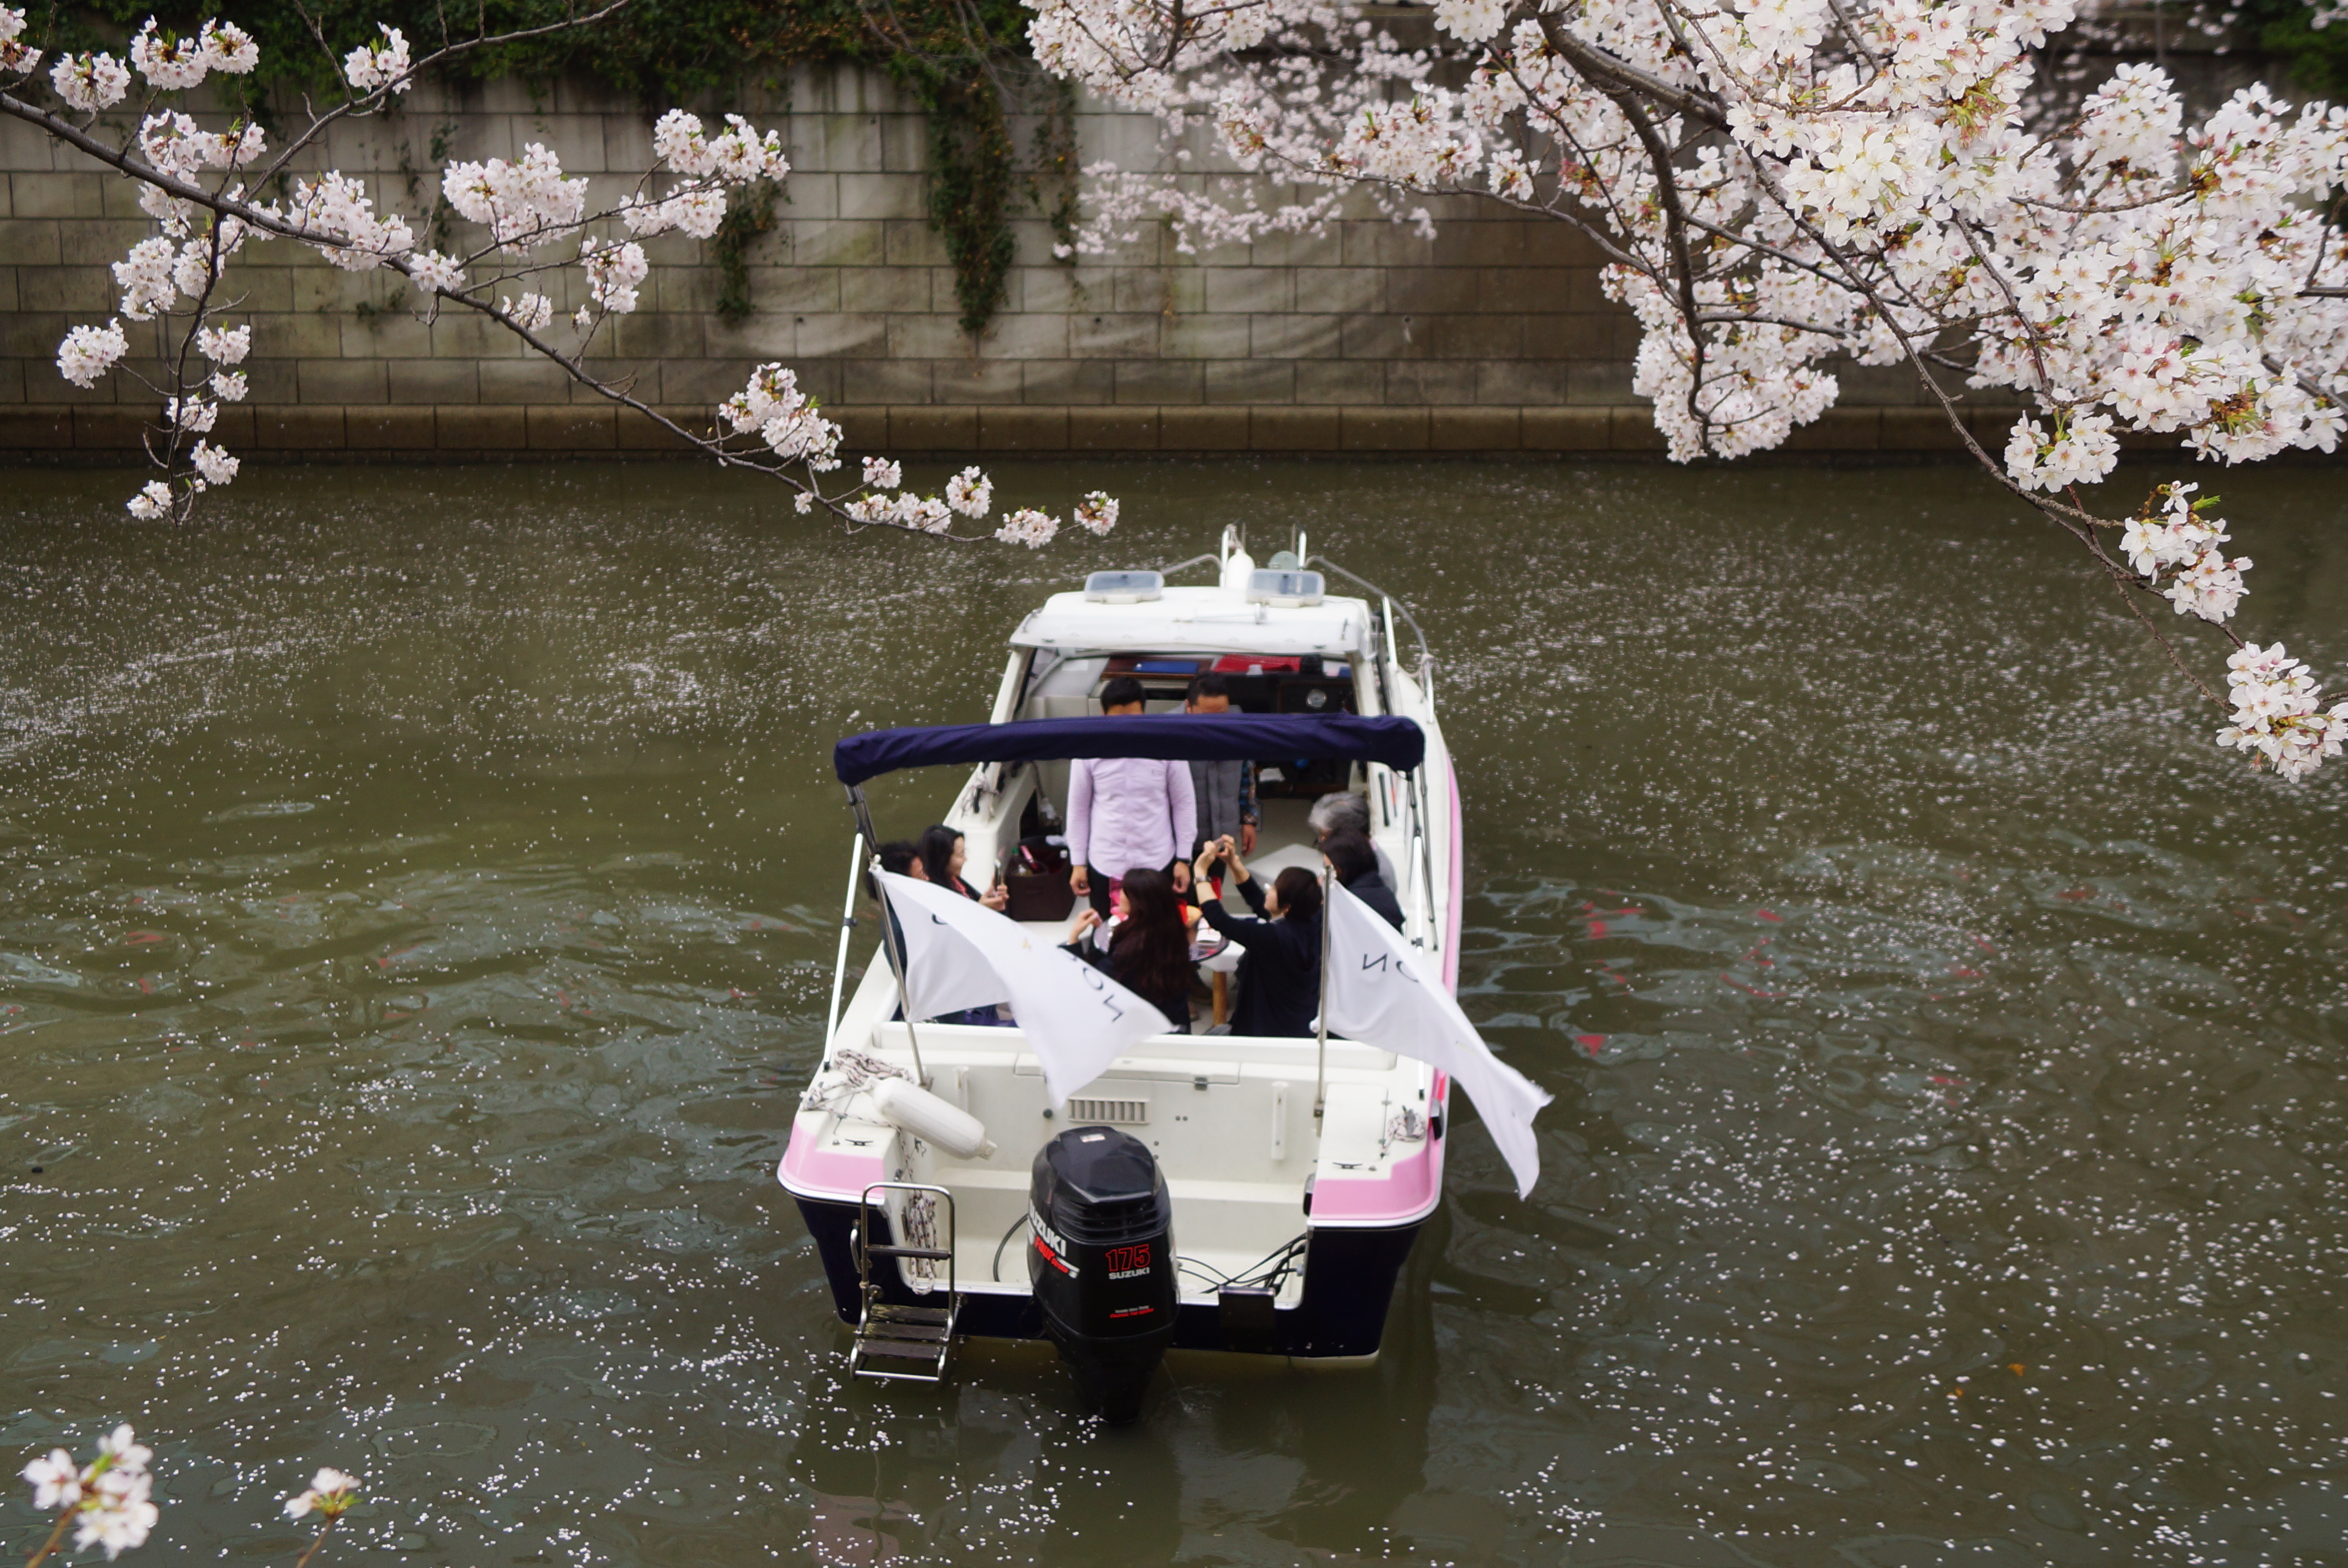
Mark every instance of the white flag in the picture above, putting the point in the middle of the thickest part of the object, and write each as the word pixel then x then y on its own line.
pixel 944 972
pixel 1380 995
pixel 960 954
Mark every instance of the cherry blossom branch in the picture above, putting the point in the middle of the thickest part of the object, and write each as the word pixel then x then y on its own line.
pixel 524 206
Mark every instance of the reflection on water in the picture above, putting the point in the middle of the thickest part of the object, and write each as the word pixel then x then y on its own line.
pixel 413 931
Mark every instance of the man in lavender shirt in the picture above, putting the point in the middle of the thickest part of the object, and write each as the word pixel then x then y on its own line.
pixel 1125 813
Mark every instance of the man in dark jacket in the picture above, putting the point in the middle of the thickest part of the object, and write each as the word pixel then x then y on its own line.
pixel 1223 790
pixel 1356 866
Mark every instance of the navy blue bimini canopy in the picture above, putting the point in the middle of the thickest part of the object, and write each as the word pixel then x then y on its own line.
pixel 1171 737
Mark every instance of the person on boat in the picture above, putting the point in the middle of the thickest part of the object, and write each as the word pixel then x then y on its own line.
pixel 1343 810
pixel 1149 950
pixel 1224 790
pixel 1339 808
pixel 902 858
pixel 1355 865
pixel 1126 813
pixel 943 853
pixel 1279 973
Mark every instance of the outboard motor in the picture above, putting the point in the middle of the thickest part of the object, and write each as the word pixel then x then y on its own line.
pixel 1101 1261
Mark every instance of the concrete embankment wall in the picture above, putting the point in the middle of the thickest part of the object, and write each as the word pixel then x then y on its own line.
pixel 1493 335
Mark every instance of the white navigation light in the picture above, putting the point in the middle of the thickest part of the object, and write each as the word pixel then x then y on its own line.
pixel 1284 589
pixel 1124 587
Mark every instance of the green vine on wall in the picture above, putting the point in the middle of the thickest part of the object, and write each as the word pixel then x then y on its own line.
pixel 970 189
pixel 748 217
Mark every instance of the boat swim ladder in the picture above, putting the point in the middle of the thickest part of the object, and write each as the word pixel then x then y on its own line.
pixel 910 1344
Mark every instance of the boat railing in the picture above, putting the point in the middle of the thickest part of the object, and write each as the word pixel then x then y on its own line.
pixel 1426 659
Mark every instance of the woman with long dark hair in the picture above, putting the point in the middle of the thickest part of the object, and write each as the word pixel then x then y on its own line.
pixel 944 852
pixel 1149 952
pixel 1279 973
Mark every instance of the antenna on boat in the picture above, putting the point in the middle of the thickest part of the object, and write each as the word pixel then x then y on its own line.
pixel 847 921
pixel 891 938
pixel 1321 1024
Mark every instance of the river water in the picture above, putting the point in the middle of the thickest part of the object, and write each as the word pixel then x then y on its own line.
pixel 416 896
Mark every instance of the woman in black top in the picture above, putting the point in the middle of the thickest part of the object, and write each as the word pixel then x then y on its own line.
pixel 1279 974
pixel 1149 953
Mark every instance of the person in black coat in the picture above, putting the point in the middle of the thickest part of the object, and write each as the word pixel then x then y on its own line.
pixel 1149 952
pixel 1355 863
pixel 1279 973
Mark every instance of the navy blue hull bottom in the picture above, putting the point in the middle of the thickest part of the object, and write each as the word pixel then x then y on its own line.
pixel 1349 1284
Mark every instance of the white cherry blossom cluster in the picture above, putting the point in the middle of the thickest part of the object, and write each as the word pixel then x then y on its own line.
pixel 110 1500
pixel 773 408
pixel 1855 177
pixel 340 212
pixel 2082 450
pixel 14 56
pixel 531 312
pixel 90 82
pixel 614 273
pixel 1028 527
pixel 1096 513
pixel 439 273
pixel 523 204
pixel 173 64
pixel 371 66
pixel 1783 183
pixel 2279 717
pixel 89 353
pixel 2177 539
pixel 904 510
pixel 696 204
pixel 970 493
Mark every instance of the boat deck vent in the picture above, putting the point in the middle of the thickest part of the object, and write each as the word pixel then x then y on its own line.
pixel 1124 587
pixel 1119 1112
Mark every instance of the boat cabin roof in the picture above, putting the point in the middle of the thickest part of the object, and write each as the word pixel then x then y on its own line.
pixel 1201 619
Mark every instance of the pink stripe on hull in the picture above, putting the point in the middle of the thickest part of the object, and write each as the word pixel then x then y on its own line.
pixel 1459 884
pixel 1406 1193
pixel 815 1173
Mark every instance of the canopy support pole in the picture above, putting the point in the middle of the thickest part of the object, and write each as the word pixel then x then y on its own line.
pixel 890 942
pixel 846 922
pixel 1321 1047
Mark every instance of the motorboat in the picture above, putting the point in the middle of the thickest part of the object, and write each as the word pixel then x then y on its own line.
pixel 1268 1190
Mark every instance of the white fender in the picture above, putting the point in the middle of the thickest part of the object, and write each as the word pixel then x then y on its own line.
pixel 933 1120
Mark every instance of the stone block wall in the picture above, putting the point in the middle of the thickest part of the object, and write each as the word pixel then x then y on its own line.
pixel 1493 334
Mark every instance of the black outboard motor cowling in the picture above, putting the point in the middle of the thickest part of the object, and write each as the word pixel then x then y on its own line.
pixel 1101 1261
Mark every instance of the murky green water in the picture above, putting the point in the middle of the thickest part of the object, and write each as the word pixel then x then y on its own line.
pixel 413 930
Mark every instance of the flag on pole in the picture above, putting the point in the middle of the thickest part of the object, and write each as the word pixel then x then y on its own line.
pixel 1379 994
pixel 960 954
